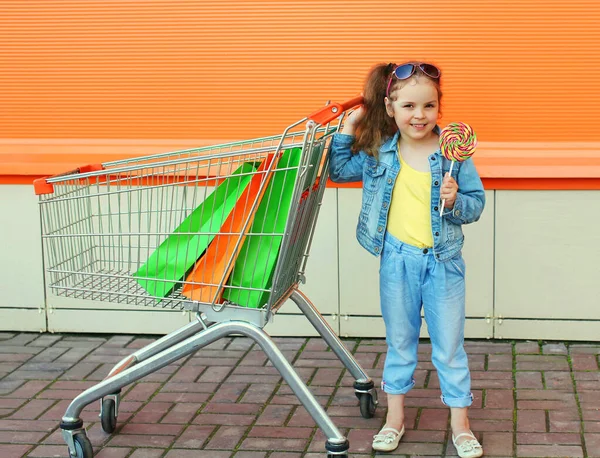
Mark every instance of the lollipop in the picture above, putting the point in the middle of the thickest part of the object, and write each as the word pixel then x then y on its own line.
pixel 457 143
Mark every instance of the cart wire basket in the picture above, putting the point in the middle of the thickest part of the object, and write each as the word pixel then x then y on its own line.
pixel 222 231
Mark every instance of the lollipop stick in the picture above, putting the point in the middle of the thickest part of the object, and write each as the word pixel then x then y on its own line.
pixel 444 201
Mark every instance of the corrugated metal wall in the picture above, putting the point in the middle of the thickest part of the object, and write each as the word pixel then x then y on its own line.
pixel 517 70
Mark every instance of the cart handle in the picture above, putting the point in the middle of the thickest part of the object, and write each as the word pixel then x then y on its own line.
pixel 41 186
pixel 333 110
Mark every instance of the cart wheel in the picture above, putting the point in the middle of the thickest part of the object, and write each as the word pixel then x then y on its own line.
pixel 108 418
pixel 367 405
pixel 83 446
pixel 337 450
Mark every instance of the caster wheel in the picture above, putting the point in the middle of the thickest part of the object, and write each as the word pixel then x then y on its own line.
pixel 108 417
pixel 367 405
pixel 337 450
pixel 83 446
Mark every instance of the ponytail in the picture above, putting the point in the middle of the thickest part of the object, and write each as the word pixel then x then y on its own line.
pixel 376 125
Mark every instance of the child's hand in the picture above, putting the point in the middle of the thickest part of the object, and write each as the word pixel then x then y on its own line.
pixel 355 116
pixel 449 190
pixel 352 120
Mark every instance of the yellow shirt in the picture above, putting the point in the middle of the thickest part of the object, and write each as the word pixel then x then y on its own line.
pixel 409 219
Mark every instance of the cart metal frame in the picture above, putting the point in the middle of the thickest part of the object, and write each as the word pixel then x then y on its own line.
pixel 100 222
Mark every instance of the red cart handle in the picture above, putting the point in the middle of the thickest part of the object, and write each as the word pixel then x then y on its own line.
pixel 41 186
pixel 333 110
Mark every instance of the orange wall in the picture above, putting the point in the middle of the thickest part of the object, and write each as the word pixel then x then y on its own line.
pixel 519 71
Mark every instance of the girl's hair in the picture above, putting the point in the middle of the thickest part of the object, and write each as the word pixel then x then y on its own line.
pixel 376 125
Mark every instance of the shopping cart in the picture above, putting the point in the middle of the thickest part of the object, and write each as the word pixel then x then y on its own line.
pixel 221 231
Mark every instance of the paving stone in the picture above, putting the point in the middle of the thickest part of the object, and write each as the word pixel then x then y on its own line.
pixel 228 401
pixel 549 451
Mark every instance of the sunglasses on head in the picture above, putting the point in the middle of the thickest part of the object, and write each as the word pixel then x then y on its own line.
pixel 405 71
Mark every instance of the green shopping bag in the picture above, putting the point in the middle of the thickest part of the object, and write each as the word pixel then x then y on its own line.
pixel 178 253
pixel 256 262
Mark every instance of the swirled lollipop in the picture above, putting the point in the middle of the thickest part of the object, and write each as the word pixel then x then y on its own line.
pixel 457 143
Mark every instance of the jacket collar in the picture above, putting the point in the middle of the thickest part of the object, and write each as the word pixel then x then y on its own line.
pixel 391 144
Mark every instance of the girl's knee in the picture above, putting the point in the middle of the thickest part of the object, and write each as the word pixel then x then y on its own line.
pixel 405 344
pixel 449 358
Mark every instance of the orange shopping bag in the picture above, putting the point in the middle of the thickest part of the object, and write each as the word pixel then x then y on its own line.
pixel 212 266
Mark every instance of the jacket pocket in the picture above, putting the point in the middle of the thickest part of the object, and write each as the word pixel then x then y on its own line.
pixel 373 177
pixel 446 169
pixel 450 232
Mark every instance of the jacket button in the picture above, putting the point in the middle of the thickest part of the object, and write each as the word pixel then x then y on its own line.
pixel 457 213
pixel 379 229
pixel 376 249
pixel 425 251
pixel 389 181
pixel 435 208
pixel 433 158
pixel 437 234
pixel 436 183
pixel 385 205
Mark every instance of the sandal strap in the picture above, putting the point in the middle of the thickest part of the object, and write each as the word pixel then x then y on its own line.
pixel 393 430
pixel 454 439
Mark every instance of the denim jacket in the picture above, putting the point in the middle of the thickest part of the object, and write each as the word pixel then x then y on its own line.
pixel 379 176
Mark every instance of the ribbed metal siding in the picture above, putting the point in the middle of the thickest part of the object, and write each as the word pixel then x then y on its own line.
pixel 517 70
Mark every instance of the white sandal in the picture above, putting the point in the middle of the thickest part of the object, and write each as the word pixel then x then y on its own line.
pixel 468 448
pixel 387 441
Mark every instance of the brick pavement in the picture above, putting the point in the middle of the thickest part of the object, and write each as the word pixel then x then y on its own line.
pixel 531 400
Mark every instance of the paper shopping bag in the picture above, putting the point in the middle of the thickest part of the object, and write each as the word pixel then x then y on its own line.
pixel 168 264
pixel 218 260
pixel 255 264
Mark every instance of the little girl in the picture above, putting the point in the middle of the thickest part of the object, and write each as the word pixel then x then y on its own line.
pixel 391 143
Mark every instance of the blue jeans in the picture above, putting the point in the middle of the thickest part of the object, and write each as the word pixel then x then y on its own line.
pixel 410 277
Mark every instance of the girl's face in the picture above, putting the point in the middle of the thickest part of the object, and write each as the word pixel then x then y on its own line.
pixel 414 107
